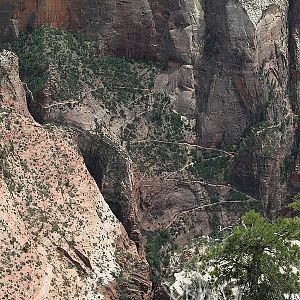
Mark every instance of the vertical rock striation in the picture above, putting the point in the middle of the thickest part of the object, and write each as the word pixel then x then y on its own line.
pixel 228 72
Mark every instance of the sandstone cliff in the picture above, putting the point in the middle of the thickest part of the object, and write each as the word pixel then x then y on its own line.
pixel 182 143
pixel 59 239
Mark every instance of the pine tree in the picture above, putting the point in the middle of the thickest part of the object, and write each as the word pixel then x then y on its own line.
pixel 259 257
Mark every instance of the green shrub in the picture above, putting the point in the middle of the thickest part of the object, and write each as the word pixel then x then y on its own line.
pixel 155 241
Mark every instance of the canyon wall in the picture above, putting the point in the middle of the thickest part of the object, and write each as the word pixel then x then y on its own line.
pixel 228 65
pixel 59 239
pixel 205 128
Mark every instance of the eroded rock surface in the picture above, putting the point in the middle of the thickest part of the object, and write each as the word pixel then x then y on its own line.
pixel 59 239
pixel 185 145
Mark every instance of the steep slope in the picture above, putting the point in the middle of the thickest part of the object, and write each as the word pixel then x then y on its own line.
pixel 217 67
pixel 59 239
pixel 120 104
pixel 182 146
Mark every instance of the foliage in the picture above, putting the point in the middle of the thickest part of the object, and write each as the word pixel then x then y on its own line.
pixel 209 165
pixel 129 132
pixel 295 205
pixel 234 195
pixel 160 157
pixel 121 80
pixel 155 242
pixel 286 168
pixel 48 48
pixel 258 257
pixel 49 55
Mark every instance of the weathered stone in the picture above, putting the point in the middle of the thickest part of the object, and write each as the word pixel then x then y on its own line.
pixel 54 217
pixel 232 65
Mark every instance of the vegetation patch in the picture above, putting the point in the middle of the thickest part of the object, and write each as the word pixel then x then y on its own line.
pixel 209 165
pixel 235 196
pixel 156 240
pixel 155 157
pixel 62 64
pixel 257 258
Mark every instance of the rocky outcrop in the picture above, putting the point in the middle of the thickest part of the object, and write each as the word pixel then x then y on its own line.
pixel 130 28
pixel 216 66
pixel 58 236
pixel 166 30
pixel 207 132
pixel 210 206
pixel 11 88
pixel 294 87
pixel 26 14
pixel 113 172
pixel 268 159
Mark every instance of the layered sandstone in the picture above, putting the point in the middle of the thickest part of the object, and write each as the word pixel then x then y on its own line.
pixel 230 70
pixel 59 239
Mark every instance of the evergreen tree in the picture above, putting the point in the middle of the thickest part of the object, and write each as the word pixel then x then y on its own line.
pixel 258 257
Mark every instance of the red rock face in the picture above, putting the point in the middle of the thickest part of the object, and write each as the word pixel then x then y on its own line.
pixel 52 12
pixel 220 66
pixel 295 177
pixel 138 28
pixel 126 27
pixel 30 13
